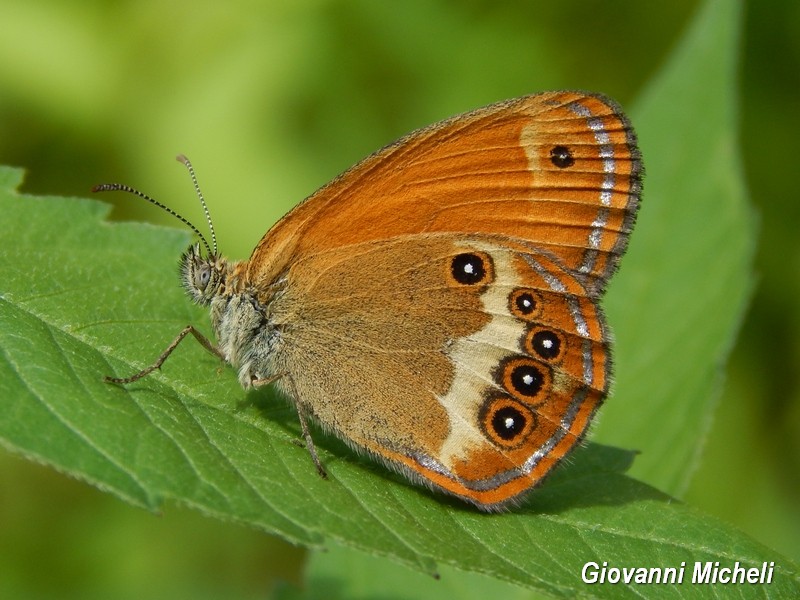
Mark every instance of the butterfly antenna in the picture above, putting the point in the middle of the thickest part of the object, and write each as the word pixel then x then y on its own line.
pixel 121 187
pixel 185 161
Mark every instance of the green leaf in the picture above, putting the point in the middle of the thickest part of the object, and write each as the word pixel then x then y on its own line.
pixel 371 577
pixel 81 298
pixel 680 296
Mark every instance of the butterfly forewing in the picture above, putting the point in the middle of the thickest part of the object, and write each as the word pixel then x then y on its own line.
pixel 560 170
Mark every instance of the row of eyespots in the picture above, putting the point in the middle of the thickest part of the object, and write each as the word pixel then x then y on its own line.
pixel 507 420
pixel 526 304
pixel 477 269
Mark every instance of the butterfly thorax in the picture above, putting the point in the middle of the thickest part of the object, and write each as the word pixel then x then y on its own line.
pixel 239 314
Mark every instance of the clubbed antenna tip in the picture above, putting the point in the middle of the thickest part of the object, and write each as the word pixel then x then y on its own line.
pixel 121 187
pixel 182 158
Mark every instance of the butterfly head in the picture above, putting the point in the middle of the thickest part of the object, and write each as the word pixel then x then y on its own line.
pixel 203 277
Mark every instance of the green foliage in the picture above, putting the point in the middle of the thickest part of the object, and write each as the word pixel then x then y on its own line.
pixel 688 273
pixel 92 298
pixel 81 298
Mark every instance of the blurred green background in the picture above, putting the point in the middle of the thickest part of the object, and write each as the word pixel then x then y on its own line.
pixel 272 99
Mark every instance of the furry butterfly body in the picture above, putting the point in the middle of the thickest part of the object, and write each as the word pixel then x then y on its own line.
pixel 437 304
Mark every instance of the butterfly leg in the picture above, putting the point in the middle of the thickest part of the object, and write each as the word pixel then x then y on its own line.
pixel 303 416
pixel 204 341
pixel 312 450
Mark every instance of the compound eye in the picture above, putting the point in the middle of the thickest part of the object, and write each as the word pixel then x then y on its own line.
pixel 202 277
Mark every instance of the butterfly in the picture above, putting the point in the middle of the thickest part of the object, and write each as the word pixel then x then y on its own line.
pixel 437 305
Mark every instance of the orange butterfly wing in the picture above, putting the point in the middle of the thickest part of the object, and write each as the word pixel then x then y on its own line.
pixel 544 188
pixel 559 170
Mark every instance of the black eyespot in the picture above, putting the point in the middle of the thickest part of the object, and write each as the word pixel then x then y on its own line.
pixel 469 268
pixel 561 157
pixel 525 304
pixel 506 422
pixel 527 379
pixel 546 344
